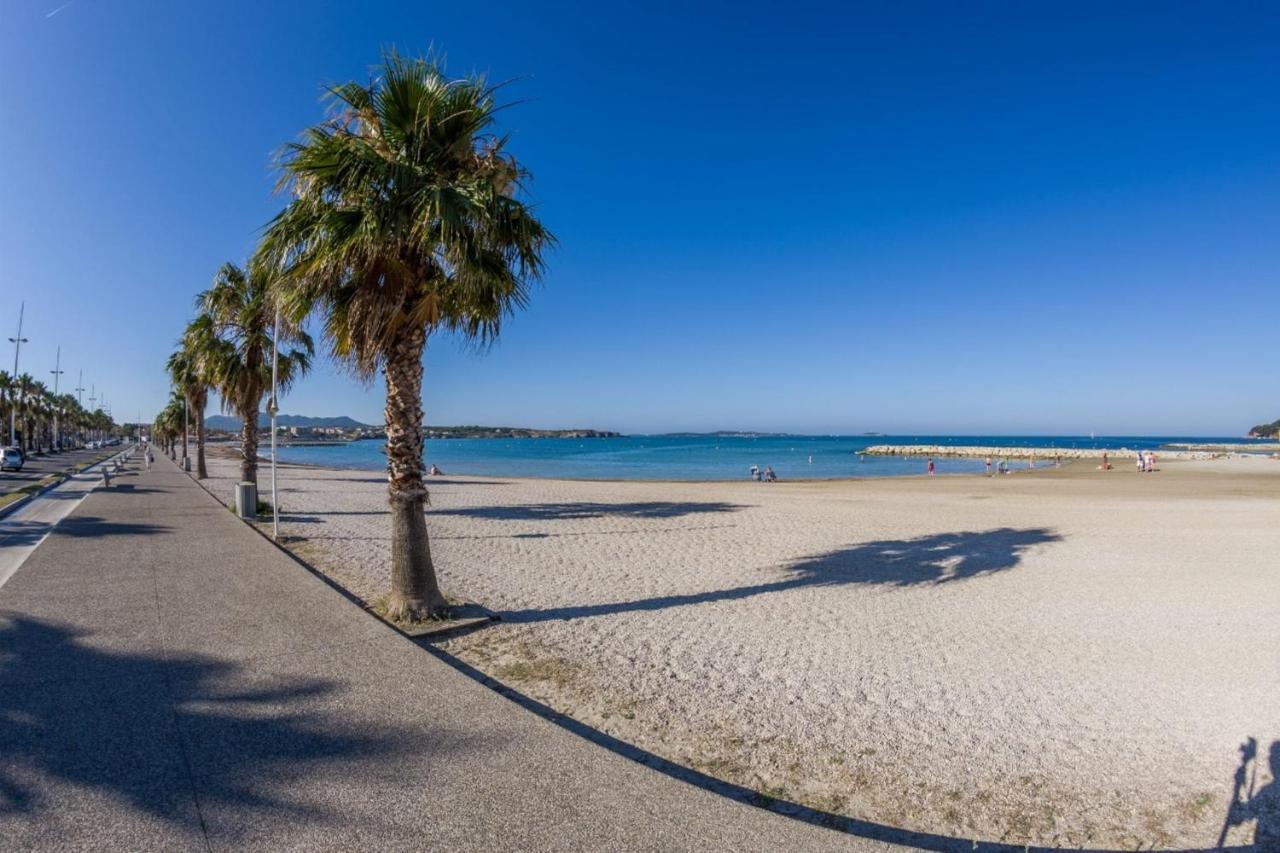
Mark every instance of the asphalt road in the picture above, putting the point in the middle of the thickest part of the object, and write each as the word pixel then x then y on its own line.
pixel 39 467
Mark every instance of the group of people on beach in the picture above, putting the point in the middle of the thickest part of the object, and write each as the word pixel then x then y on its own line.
pixel 1002 467
pixel 1146 462
pixel 765 476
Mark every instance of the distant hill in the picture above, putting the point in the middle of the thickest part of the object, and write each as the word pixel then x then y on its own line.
pixel 1271 430
pixel 230 423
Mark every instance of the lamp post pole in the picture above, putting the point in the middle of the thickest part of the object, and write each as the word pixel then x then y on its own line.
pixel 273 410
pixel 57 424
pixel 80 403
pixel 17 347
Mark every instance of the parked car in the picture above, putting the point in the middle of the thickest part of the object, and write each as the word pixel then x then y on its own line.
pixel 11 457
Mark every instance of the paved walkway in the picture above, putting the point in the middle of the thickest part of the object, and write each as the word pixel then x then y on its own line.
pixel 169 680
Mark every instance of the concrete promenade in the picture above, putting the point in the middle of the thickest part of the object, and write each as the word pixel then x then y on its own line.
pixel 169 680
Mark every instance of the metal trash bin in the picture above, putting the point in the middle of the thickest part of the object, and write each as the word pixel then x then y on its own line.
pixel 246 500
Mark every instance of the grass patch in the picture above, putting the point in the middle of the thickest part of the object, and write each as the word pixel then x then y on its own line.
pixel 28 489
pixel 1196 807
pixel 555 671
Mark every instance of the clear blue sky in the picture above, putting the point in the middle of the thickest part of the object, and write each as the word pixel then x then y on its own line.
pixel 901 217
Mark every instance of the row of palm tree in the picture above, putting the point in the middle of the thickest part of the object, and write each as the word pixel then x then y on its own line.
pixel 46 421
pixel 407 220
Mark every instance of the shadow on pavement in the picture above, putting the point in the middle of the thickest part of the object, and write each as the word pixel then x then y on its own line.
pixel 21 533
pixel 127 724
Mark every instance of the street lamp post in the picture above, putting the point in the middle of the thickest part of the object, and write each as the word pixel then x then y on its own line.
pixel 80 403
pixel 273 410
pixel 57 423
pixel 17 347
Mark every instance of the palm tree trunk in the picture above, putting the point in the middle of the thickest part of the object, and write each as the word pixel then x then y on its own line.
pixel 415 593
pixel 201 471
pixel 249 440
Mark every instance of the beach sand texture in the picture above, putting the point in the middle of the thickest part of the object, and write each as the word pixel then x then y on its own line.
pixel 1066 657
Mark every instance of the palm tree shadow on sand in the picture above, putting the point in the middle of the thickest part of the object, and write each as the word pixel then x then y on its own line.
pixel 942 558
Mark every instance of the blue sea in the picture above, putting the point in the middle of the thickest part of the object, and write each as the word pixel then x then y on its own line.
pixel 704 457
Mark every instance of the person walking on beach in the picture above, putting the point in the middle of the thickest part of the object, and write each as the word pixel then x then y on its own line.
pixel 769 476
pixel 988 466
pixel 930 466
pixel 755 472
pixel 1142 463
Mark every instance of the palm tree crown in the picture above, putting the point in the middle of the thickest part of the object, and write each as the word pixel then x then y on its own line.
pixel 405 214
pixel 233 345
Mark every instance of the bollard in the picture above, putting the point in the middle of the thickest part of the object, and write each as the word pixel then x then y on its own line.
pixel 106 476
pixel 186 464
pixel 246 500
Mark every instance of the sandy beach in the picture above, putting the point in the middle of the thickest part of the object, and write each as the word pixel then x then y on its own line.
pixel 1061 657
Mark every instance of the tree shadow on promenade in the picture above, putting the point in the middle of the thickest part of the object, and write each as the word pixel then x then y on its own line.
pixel 579 510
pixel 17 533
pixel 152 729
pixel 938 559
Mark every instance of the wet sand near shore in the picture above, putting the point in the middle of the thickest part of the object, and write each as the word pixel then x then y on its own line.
pixel 1061 657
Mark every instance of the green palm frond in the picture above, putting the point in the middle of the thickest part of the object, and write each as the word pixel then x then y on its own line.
pixel 406 212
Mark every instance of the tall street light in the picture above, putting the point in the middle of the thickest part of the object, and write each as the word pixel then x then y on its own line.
pixel 57 372
pixel 80 403
pixel 17 347
pixel 272 410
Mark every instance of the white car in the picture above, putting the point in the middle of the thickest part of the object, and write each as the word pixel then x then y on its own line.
pixel 11 457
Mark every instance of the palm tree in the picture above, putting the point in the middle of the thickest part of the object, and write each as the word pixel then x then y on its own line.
pixel 168 424
pixel 240 314
pixel 25 389
pixel 191 368
pixel 6 402
pixel 405 221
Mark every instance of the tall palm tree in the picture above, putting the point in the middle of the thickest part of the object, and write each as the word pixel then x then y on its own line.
pixel 406 220
pixel 191 368
pixel 25 389
pixel 6 402
pixel 241 314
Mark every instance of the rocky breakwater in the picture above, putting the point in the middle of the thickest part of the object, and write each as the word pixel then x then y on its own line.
pixel 949 450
